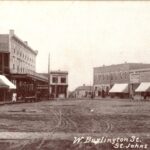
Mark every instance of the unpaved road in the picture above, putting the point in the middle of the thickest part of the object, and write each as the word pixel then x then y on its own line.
pixel 53 123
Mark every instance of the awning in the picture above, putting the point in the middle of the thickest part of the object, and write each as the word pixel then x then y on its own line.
pixel 119 88
pixel 143 87
pixel 3 85
pixel 6 83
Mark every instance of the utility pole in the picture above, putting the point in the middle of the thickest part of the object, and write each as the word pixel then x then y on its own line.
pixel 49 88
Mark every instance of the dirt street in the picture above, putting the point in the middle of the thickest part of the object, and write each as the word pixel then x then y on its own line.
pixel 55 124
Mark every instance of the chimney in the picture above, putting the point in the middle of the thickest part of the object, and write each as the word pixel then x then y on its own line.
pixel 26 42
pixel 36 51
pixel 11 32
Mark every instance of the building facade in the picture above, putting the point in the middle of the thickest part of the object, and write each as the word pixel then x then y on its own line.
pixel 58 84
pixel 84 91
pixel 16 55
pixel 18 64
pixel 105 77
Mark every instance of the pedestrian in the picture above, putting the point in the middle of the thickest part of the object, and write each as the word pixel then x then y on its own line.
pixel 14 97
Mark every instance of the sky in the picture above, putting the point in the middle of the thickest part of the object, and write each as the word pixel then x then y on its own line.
pixel 80 35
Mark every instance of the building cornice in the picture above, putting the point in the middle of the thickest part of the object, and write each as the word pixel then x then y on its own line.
pixel 24 44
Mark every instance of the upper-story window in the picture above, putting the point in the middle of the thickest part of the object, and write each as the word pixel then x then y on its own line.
pixel 121 75
pixel 13 66
pixel 55 79
pixel 99 76
pixel 63 80
pixel 125 75
pixel 17 69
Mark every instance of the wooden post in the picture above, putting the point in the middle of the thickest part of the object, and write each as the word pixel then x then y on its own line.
pixel 4 95
pixel 3 64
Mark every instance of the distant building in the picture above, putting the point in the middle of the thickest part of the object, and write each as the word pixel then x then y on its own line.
pixel 58 83
pixel 83 91
pixel 120 78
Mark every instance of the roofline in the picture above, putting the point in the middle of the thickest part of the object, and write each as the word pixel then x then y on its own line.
pixel 126 63
pixel 23 43
pixel 61 71
pixel 139 70
pixel 57 72
pixel 35 76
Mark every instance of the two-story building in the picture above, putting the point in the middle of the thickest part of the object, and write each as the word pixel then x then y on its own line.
pixel 58 84
pixel 120 79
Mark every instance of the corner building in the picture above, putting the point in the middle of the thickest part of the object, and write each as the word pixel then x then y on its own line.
pixel 16 55
pixel 18 64
pixel 58 84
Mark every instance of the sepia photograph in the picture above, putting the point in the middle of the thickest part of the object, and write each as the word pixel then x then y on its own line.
pixel 74 75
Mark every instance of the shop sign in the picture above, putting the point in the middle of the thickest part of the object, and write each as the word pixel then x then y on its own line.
pixel 134 78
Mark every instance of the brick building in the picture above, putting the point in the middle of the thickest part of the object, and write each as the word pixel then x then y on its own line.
pixel 122 77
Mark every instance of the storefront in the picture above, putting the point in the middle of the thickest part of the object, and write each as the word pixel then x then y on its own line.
pixel 143 91
pixel 27 85
pixel 7 88
pixel 120 90
pixel 101 90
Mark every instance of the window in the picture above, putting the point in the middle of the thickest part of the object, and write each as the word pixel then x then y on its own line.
pixel 63 80
pixel 121 75
pixel 6 60
pixel 107 76
pixel 55 80
pixel 99 77
pixel 13 66
pixel 17 69
pixel 111 76
pixel 125 75
pixel 103 77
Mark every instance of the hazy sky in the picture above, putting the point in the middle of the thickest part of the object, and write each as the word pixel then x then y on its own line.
pixel 80 35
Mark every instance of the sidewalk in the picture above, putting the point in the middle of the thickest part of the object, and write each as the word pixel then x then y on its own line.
pixel 63 135
pixel 10 102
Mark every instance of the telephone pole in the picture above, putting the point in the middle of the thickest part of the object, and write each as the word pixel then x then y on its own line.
pixel 49 88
